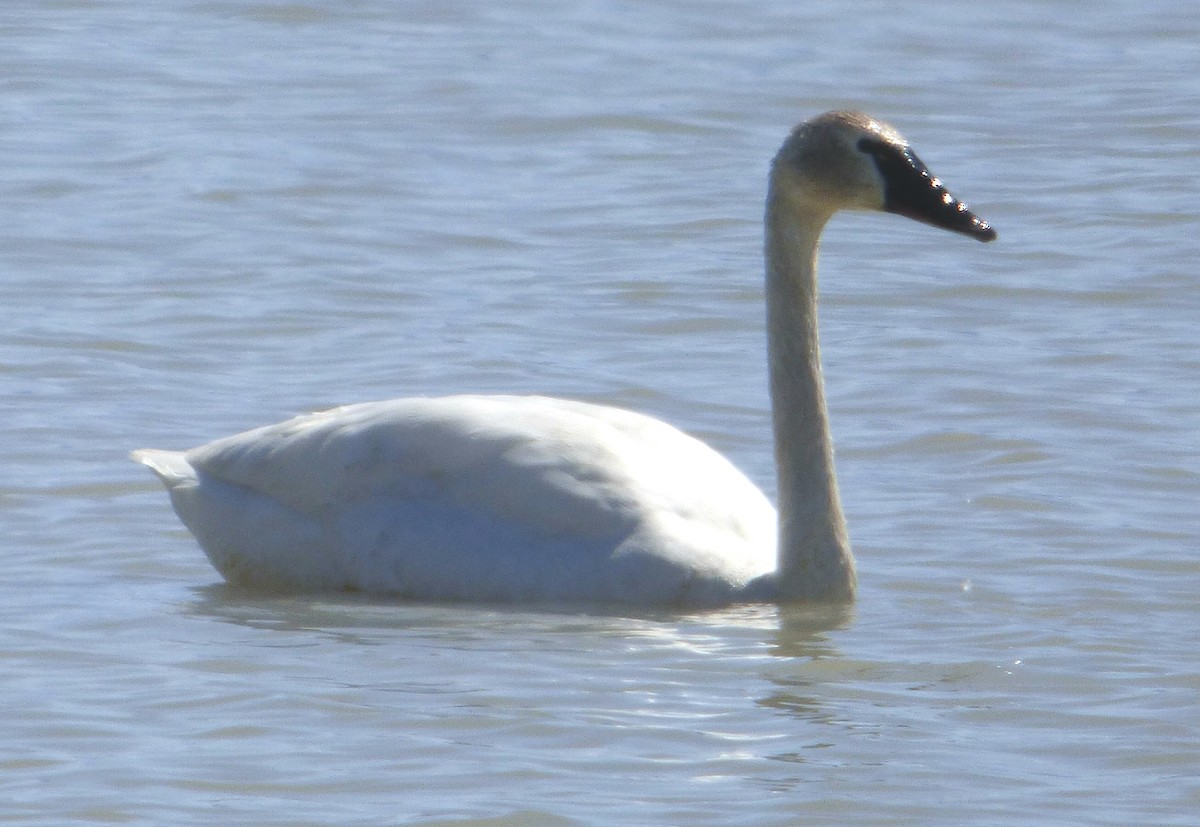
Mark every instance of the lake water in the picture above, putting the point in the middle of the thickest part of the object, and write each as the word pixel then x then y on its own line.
pixel 219 214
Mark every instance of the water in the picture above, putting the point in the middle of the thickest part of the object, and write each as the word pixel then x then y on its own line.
pixel 220 214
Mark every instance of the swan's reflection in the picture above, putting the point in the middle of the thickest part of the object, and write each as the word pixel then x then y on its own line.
pixel 790 632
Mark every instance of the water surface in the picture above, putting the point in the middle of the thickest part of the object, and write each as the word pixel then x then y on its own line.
pixel 222 214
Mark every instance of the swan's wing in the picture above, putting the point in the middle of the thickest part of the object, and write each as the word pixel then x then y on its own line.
pixel 426 495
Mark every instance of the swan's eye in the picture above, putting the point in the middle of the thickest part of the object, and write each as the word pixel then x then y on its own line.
pixel 891 159
pixel 884 152
pixel 872 146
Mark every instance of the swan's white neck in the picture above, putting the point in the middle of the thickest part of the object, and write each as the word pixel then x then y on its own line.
pixel 814 553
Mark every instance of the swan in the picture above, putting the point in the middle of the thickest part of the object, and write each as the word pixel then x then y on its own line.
pixel 529 498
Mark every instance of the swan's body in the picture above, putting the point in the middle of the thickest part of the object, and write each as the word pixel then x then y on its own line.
pixel 531 498
pixel 497 497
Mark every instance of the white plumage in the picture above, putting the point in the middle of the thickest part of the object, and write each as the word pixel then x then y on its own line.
pixel 497 497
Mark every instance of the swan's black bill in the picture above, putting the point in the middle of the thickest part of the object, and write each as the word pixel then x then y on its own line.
pixel 912 190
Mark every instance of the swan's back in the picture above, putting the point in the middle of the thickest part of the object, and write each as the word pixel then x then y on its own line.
pixel 475 497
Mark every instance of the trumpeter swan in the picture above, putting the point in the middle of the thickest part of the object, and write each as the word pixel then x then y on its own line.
pixel 524 498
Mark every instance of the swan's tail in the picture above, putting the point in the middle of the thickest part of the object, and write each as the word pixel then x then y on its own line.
pixel 171 467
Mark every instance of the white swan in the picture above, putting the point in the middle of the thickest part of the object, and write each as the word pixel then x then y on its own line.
pixel 529 498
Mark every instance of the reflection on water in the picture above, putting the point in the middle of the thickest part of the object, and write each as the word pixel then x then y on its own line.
pixel 804 630
pixel 800 630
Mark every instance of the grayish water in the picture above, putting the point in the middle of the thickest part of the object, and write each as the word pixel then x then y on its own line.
pixel 218 214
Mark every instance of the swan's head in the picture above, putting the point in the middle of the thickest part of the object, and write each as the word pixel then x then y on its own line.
pixel 850 161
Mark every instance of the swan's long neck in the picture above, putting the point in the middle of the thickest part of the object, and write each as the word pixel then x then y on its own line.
pixel 814 553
